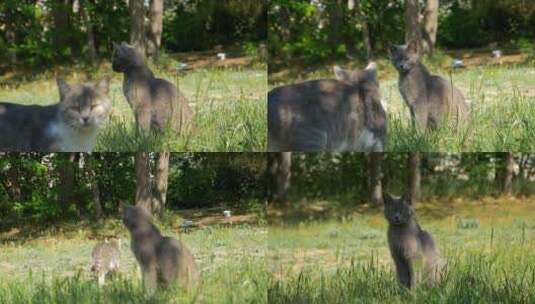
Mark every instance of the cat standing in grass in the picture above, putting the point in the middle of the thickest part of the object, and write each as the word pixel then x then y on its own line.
pixel 156 102
pixel 71 125
pixel 105 259
pixel 432 100
pixel 409 244
pixel 162 260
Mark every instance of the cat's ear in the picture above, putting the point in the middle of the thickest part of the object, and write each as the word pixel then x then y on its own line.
pixel 103 85
pixel 406 198
pixel 392 49
pixel 370 72
pixel 413 47
pixel 341 74
pixel 63 88
pixel 387 198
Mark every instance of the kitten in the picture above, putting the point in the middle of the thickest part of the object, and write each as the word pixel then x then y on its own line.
pixel 71 125
pixel 409 243
pixel 162 260
pixel 432 100
pixel 156 102
pixel 105 259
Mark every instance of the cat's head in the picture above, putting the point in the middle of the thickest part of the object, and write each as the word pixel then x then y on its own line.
pixel 84 106
pixel 404 57
pixel 135 217
pixel 365 79
pixel 398 211
pixel 125 56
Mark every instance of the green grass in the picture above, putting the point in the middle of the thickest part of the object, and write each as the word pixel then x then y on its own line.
pixel 229 106
pixel 53 267
pixel 502 100
pixel 345 259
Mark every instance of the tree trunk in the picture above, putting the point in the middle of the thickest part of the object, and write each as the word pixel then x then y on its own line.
pixel 61 15
pixel 414 175
pixel 137 25
pixel 355 4
pixel 67 182
pixel 430 26
pixel 279 166
pixel 91 47
pixel 412 21
pixel 376 178
pixel 505 166
pixel 143 185
pixel 336 21
pixel 155 28
pixel 96 199
pixel 161 176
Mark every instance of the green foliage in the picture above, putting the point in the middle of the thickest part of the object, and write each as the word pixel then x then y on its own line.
pixel 32 183
pixel 342 178
pixel 44 33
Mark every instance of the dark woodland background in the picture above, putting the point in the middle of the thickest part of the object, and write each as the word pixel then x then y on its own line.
pixel 40 33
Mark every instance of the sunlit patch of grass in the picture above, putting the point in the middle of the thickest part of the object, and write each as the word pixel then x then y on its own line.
pixel 345 259
pixel 501 98
pixel 53 266
pixel 229 106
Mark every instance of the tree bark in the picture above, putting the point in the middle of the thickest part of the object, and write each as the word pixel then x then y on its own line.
pixel 430 26
pixel 355 5
pixel 143 185
pixel 505 166
pixel 61 16
pixel 412 21
pixel 96 199
pixel 279 166
pixel 161 180
pixel 376 178
pixel 90 34
pixel 137 25
pixel 155 28
pixel 414 175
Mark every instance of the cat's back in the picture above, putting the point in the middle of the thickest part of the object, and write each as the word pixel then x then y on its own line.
pixel 25 127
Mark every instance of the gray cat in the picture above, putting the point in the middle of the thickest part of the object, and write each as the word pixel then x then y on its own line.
pixel 328 115
pixel 71 125
pixel 156 102
pixel 409 244
pixel 432 100
pixel 105 259
pixel 162 260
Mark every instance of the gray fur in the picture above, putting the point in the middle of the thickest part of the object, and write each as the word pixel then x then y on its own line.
pixel 409 243
pixel 162 260
pixel 105 259
pixel 432 100
pixel 328 115
pixel 156 103
pixel 68 126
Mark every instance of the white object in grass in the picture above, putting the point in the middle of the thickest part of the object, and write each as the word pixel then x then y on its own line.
pixel 227 213
pixel 221 56
pixel 457 63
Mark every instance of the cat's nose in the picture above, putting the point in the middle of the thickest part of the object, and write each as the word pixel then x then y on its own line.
pixel 85 120
pixel 396 218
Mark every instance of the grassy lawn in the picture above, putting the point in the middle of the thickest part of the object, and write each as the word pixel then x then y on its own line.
pixel 53 265
pixel 228 101
pixel 489 245
pixel 501 96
